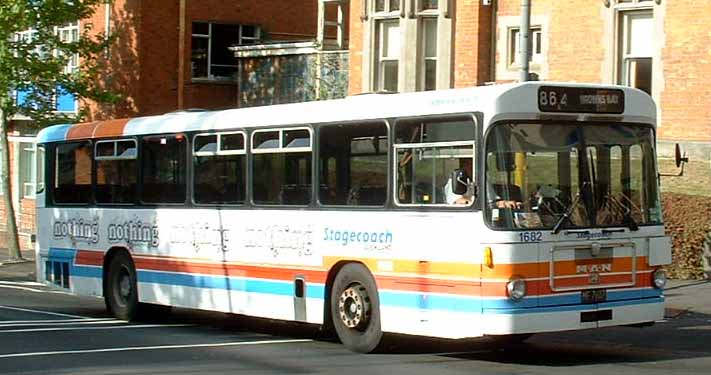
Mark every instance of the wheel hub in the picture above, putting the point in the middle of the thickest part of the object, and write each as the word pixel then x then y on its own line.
pixel 124 286
pixel 354 307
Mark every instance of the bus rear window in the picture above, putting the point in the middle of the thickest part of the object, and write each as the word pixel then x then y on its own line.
pixel 72 178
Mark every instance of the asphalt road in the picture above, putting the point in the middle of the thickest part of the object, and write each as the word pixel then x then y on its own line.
pixel 49 332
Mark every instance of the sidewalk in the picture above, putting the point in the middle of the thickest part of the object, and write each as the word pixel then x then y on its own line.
pixel 20 271
pixel 688 295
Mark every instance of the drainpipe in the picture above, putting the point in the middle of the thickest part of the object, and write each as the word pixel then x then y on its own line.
pixel 492 58
pixel 525 38
pixel 181 55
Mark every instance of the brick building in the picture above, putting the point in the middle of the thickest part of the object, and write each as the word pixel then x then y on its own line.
pixel 168 55
pixel 165 59
pixel 655 45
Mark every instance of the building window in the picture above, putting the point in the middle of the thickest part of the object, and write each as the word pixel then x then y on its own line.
pixel 388 57
pixel 428 66
pixel 70 34
pixel 28 173
pixel 211 57
pixel 514 43
pixel 635 49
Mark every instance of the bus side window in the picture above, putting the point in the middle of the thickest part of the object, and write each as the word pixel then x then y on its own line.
pixel 428 153
pixel 72 180
pixel 354 164
pixel 164 169
pixel 116 171
pixel 219 162
pixel 281 167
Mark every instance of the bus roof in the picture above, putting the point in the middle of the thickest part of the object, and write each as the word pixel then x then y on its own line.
pixel 517 101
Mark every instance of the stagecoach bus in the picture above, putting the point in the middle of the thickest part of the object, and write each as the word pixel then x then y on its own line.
pixel 489 211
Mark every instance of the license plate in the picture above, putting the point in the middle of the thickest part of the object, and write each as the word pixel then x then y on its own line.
pixel 594 296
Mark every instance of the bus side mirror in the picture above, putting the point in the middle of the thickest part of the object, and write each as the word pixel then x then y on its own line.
pixel 459 181
pixel 678 158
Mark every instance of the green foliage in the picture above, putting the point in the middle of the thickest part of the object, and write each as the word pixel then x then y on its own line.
pixel 36 65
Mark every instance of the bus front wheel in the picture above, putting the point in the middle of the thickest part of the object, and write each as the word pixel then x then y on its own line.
pixel 121 292
pixel 355 309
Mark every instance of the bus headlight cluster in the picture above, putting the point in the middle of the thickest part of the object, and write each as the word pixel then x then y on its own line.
pixel 660 278
pixel 516 289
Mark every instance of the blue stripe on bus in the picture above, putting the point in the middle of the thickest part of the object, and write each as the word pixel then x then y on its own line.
pixel 53 133
pixel 592 307
pixel 59 254
pixel 242 285
pixel 85 271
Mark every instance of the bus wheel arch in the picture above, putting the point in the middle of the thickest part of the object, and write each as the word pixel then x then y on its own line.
pixel 120 284
pixel 354 307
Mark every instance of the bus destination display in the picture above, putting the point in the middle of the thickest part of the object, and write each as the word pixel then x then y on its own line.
pixel 580 100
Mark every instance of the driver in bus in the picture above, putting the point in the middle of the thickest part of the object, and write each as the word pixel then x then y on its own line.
pixel 466 198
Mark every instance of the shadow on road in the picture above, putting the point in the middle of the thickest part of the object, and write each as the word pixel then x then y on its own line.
pixel 685 336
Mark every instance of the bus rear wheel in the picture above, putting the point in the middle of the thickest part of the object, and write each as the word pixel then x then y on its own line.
pixel 121 292
pixel 355 309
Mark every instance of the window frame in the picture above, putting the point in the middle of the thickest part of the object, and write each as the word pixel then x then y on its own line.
pixel 623 14
pixel 218 152
pixel 209 77
pixel 95 174
pixel 52 199
pixel 514 46
pixel 388 173
pixel 281 149
pixel 140 176
pixel 24 194
pixel 476 150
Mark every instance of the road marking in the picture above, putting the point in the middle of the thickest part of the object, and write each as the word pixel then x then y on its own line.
pixel 41 321
pixel 30 323
pixel 53 329
pixel 164 347
pixel 22 283
pixel 44 312
pixel 33 290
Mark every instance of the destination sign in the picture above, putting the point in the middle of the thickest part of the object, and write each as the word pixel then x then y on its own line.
pixel 580 100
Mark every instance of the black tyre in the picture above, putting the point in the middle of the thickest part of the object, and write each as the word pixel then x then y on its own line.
pixel 120 290
pixel 355 309
pixel 510 341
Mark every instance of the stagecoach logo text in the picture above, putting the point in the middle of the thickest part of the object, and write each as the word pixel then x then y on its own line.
pixel 134 232
pixel 78 230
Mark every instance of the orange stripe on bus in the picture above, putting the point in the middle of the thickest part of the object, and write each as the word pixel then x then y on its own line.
pixel 230 270
pixel 110 128
pixel 82 131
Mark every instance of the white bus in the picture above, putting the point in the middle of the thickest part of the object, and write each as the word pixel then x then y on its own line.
pixel 500 210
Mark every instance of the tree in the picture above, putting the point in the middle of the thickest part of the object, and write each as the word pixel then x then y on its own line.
pixel 40 63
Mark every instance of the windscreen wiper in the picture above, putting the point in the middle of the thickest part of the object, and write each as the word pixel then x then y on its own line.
pixel 566 215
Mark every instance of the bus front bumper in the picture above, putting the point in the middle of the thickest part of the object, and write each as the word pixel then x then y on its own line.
pixel 572 317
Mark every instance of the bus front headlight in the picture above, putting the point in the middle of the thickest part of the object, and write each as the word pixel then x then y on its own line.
pixel 660 278
pixel 516 289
